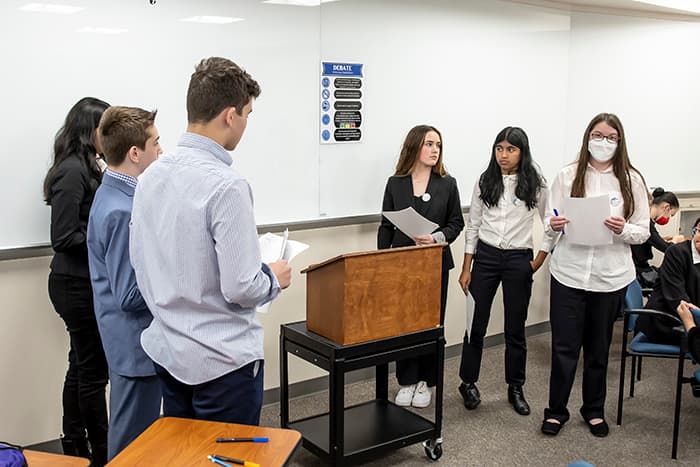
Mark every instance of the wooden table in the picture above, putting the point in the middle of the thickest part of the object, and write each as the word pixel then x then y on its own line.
pixel 180 441
pixel 41 459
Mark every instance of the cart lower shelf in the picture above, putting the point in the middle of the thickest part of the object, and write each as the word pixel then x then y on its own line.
pixel 372 426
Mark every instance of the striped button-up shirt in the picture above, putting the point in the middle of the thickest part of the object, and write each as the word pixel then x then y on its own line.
pixel 194 247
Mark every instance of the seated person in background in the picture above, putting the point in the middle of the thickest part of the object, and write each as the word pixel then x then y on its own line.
pixel 693 332
pixel 677 290
pixel 664 206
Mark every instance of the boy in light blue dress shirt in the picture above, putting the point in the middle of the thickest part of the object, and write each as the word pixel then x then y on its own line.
pixel 130 143
pixel 195 250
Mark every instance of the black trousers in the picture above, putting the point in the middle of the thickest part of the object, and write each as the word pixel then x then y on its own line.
pixel 491 267
pixel 580 319
pixel 235 397
pixel 422 368
pixel 84 404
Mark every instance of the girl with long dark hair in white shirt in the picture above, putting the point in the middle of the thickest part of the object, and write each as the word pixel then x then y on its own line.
pixel 589 281
pixel 506 199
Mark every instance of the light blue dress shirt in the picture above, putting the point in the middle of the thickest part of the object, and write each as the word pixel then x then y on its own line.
pixel 194 247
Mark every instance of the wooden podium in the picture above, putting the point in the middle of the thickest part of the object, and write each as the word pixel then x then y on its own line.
pixel 358 297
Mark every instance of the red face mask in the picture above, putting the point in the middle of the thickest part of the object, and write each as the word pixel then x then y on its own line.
pixel 661 220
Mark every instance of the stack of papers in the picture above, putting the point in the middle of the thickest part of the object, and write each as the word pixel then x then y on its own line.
pixel 274 248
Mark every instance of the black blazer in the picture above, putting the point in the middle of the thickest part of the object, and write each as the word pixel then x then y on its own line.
pixel 641 254
pixel 679 280
pixel 443 208
pixel 71 195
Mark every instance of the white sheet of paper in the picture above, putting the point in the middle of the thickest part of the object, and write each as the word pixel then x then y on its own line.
pixel 275 247
pixel 586 217
pixel 470 313
pixel 410 222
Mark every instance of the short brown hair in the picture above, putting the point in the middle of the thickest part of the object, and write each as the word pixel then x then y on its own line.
pixel 218 83
pixel 124 127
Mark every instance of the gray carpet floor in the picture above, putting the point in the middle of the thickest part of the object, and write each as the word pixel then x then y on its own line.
pixel 494 435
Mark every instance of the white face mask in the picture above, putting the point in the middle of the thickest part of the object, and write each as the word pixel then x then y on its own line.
pixel 602 151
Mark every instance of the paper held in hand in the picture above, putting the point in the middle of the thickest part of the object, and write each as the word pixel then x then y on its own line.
pixel 274 248
pixel 410 222
pixel 586 220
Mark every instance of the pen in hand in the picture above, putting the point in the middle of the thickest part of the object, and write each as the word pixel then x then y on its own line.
pixel 556 213
pixel 242 440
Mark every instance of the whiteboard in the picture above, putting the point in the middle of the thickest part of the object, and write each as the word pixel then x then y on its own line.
pixel 469 68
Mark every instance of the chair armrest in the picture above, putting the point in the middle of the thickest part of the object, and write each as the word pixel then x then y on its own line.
pixel 650 312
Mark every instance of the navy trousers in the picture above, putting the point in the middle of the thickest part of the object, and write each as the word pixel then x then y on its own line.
pixel 235 397
pixel 511 268
pixel 134 404
pixel 580 319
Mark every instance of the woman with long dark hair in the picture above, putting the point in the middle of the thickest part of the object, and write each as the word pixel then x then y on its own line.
pixel 69 189
pixel 508 196
pixel 589 281
pixel 421 182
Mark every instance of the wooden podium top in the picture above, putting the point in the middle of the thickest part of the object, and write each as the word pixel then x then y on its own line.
pixel 368 252
pixel 181 441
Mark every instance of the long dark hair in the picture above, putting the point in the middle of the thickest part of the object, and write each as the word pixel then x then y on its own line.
pixel 411 149
pixel 622 167
pixel 77 138
pixel 530 182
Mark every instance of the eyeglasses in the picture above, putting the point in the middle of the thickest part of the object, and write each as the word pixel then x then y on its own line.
pixel 695 231
pixel 612 139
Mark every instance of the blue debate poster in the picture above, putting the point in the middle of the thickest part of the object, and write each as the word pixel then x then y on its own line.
pixel 341 102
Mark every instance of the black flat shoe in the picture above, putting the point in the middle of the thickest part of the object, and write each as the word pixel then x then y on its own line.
pixel 470 395
pixel 516 397
pixel 600 430
pixel 551 428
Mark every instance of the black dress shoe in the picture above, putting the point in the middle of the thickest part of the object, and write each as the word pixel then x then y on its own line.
pixel 551 428
pixel 517 399
pixel 470 394
pixel 600 430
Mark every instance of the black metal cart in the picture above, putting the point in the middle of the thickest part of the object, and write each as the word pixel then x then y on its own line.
pixel 358 433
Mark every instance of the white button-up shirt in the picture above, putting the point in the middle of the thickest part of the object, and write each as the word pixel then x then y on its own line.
pixel 601 268
pixel 508 225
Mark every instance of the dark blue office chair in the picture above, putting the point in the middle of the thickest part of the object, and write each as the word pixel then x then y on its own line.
pixel 640 346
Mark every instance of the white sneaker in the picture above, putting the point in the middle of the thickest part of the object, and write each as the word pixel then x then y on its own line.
pixel 421 398
pixel 405 395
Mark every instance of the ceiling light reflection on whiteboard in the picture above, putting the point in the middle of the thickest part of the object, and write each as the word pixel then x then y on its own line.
pixel 211 19
pixel 50 8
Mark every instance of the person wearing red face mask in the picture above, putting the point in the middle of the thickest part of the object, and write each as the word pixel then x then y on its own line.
pixel 664 205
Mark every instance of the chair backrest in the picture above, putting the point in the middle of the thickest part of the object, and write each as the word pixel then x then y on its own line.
pixel 633 299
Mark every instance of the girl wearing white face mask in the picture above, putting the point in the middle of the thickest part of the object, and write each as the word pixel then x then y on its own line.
pixel 664 206
pixel 588 282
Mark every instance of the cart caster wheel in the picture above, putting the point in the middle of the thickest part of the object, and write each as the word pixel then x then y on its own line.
pixel 433 449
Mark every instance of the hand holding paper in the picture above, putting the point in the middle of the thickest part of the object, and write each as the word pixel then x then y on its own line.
pixel 410 222
pixel 587 218
pixel 276 251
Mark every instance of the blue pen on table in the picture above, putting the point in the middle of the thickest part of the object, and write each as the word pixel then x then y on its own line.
pixel 242 440
pixel 556 213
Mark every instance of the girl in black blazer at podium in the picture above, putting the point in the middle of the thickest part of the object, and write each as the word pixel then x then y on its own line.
pixel 69 189
pixel 421 182
pixel 507 197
